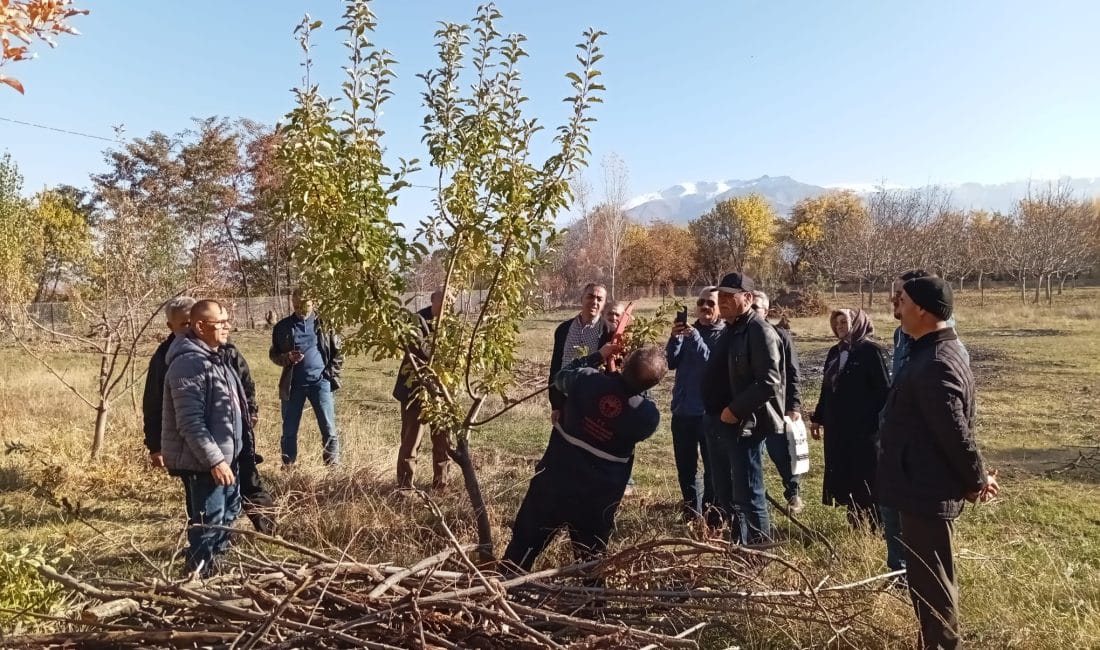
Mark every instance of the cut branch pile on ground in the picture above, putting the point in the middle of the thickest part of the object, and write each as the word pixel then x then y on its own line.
pixel 659 594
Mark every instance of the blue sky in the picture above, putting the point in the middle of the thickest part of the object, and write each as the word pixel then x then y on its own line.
pixel 826 91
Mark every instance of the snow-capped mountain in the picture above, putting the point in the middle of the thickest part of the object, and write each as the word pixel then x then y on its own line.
pixel 686 201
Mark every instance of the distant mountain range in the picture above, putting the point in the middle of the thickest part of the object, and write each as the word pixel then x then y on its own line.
pixel 686 201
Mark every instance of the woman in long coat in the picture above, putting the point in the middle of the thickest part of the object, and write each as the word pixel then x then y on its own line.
pixel 853 393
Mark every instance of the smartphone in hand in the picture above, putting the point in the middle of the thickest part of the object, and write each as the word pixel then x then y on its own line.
pixel 682 316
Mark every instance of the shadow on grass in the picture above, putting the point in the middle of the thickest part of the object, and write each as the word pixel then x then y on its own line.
pixel 1074 464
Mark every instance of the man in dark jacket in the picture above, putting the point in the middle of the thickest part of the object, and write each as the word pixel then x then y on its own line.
pixel 928 459
pixel 178 314
pixel 778 447
pixel 406 392
pixel 687 352
pixel 743 395
pixel 309 354
pixel 254 495
pixel 581 477
pixel 202 428
pixel 891 521
pixel 583 334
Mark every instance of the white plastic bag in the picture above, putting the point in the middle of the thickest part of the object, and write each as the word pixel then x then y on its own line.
pixel 798 445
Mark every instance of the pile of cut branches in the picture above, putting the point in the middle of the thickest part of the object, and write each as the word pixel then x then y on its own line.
pixel 277 594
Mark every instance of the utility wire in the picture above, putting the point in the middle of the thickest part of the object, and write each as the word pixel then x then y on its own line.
pixel 52 128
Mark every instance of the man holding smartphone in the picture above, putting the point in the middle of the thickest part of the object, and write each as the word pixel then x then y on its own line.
pixel 687 352
pixel 309 354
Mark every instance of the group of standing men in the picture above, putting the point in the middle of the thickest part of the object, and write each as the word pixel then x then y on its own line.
pixel 200 413
pixel 737 383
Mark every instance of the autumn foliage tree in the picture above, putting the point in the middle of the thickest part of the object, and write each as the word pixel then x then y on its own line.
pixel 738 234
pixel 23 22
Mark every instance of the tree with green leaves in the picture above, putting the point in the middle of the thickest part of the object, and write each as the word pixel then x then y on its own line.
pixel 494 211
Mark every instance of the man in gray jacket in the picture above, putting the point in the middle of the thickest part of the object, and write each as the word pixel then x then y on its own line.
pixel 202 429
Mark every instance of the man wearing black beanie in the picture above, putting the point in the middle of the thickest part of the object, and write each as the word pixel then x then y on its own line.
pixel 928 458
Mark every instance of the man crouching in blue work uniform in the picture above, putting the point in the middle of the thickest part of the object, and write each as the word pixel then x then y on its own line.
pixel 581 477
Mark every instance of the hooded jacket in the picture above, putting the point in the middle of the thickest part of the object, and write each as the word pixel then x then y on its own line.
pixel 205 409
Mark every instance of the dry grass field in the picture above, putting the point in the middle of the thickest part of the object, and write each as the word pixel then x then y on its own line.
pixel 1029 561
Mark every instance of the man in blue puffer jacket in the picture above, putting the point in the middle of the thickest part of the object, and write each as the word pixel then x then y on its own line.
pixel 202 430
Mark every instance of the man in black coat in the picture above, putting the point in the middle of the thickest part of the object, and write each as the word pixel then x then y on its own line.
pixel 406 392
pixel 928 460
pixel 581 478
pixel 255 497
pixel 743 396
pixel 776 443
pixel 583 334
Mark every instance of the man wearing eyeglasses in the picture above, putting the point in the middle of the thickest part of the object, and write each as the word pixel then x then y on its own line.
pixel 202 433
pixel 256 497
pixel 687 352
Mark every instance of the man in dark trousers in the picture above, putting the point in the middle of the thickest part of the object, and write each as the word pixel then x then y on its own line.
pixel 581 478
pixel 583 334
pixel 928 458
pixel 891 521
pixel 406 392
pixel 309 354
pixel 743 395
pixel 688 351
pixel 255 497
pixel 778 447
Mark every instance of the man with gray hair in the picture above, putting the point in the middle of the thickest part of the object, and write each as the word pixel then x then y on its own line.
pixel 178 314
pixel 776 443
pixel 257 500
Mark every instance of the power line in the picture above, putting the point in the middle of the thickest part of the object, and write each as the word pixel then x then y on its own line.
pixel 53 128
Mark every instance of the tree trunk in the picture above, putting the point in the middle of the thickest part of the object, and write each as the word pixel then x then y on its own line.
pixel 1050 299
pixel 871 295
pixel 100 428
pixel 1023 288
pixel 861 293
pixel 1062 284
pixel 461 455
pixel 240 269
pixel 834 289
pixel 1038 288
pixel 981 289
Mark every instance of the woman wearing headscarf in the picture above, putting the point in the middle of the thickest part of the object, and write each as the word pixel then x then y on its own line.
pixel 853 393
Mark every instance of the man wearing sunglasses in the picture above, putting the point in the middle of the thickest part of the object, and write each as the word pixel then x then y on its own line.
pixel 743 394
pixel 202 433
pixel 687 352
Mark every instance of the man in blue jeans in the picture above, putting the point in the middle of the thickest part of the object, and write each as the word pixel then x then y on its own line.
pixel 778 447
pixel 203 419
pixel 310 356
pixel 743 398
pixel 687 352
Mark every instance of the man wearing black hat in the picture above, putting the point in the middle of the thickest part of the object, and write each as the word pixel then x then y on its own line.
pixel 743 397
pixel 928 459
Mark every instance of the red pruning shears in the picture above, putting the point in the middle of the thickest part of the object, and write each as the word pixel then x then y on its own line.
pixel 614 364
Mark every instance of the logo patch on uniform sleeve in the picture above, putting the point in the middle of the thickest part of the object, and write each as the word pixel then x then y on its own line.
pixel 611 406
